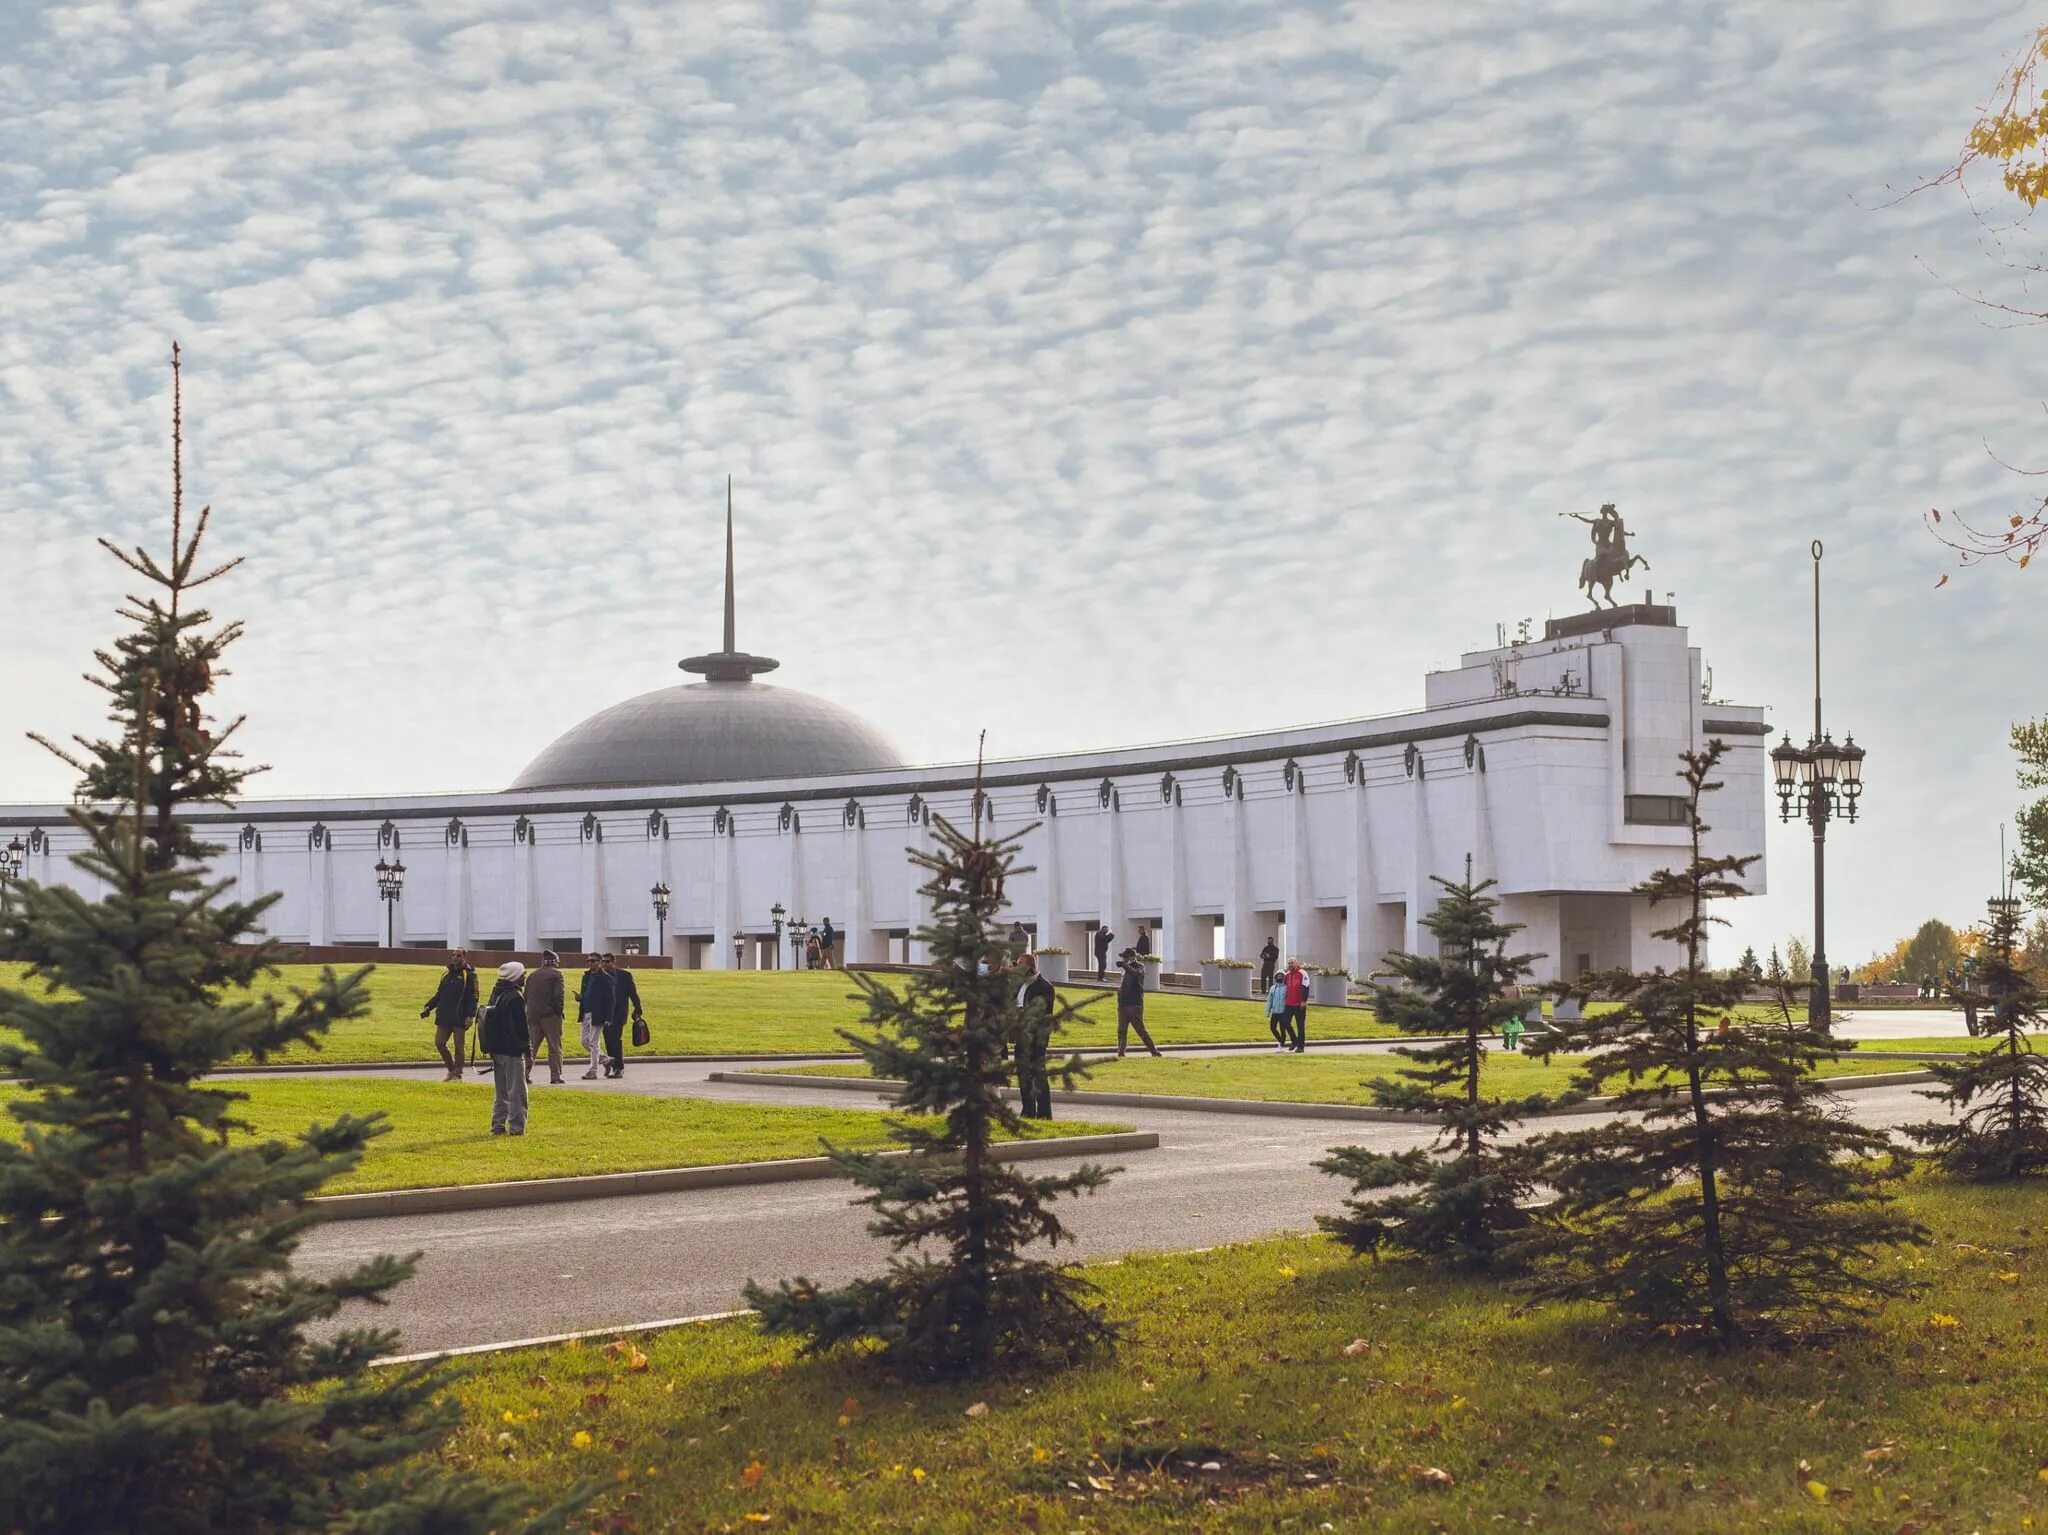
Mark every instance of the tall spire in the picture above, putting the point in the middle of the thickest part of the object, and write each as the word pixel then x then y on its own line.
pixel 730 664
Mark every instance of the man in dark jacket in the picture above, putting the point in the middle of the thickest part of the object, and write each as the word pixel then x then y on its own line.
pixel 1034 1041
pixel 502 1036
pixel 1103 939
pixel 1130 1002
pixel 594 1008
pixel 827 937
pixel 1296 980
pixel 1269 961
pixel 453 1004
pixel 1144 940
pixel 625 1000
pixel 545 995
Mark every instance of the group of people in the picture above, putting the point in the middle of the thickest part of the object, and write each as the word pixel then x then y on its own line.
pixel 525 1011
pixel 1105 940
pixel 1286 1001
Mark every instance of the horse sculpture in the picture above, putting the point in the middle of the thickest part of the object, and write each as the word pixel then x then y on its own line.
pixel 1610 561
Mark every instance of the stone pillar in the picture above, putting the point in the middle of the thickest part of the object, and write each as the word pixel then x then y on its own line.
pixel 1050 929
pixel 319 919
pixel 860 942
pixel 1421 889
pixel 1176 948
pixel 1301 919
pixel 390 844
pixel 723 880
pixel 657 874
pixel 592 835
pixel 1238 916
pixel 789 825
pixel 919 815
pixel 1483 867
pixel 1109 899
pixel 1362 891
pixel 455 887
pixel 249 867
pixel 525 915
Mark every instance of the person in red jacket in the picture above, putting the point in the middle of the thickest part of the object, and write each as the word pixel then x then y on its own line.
pixel 1296 981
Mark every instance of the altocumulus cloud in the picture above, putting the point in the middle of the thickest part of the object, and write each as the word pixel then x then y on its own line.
pixel 1092 371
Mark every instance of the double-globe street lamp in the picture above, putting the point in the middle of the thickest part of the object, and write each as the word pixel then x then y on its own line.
pixel 390 885
pixel 1819 781
pixel 661 893
pixel 12 861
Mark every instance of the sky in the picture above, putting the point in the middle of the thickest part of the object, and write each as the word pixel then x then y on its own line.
pixel 1096 373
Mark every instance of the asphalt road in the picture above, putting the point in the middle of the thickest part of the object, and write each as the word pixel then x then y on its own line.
pixel 499 1275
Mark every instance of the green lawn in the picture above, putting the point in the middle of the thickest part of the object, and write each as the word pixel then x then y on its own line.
pixel 440 1131
pixel 1283 1386
pixel 713 1012
pixel 1938 1042
pixel 1316 1078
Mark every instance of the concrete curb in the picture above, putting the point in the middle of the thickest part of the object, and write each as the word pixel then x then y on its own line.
pixel 669 1180
pixel 1272 1108
pixel 551 1340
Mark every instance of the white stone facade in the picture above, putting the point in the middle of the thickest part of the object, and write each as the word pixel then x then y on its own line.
pixel 1552 764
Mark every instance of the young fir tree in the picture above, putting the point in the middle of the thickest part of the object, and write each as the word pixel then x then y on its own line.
pixel 960 1297
pixel 155 1368
pixel 2000 1095
pixel 1458 1201
pixel 1731 1196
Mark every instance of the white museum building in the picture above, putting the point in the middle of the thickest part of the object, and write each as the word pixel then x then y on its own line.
pixel 1551 762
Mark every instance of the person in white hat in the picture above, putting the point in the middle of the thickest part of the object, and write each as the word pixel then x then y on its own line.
pixel 502 1033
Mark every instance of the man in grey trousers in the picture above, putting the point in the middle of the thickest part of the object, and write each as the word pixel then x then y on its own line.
pixel 544 1000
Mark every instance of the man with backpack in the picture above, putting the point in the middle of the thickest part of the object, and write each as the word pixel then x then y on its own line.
pixel 453 1005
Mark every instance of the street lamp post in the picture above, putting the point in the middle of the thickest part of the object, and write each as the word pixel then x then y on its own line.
pixel 11 861
pixel 390 885
pixel 1819 781
pixel 776 914
pixel 660 893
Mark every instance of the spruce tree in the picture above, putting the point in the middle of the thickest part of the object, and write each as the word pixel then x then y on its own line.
pixel 1457 1201
pixel 1730 1196
pixel 2000 1094
pixel 155 1368
pixel 961 1295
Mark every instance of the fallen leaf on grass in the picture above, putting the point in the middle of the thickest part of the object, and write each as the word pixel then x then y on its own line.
pixel 978 1410
pixel 1431 1476
pixel 1941 1321
pixel 753 1473
pixel 1356 1347
pixel 580 1439
pixel 1886 1451
pixel 1818 1491
pixel 1102 1483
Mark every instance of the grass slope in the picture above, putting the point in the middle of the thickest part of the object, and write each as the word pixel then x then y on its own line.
pixel 713 1012
pixel 1316 1078
pixel 1282 1386
pixel 440 1131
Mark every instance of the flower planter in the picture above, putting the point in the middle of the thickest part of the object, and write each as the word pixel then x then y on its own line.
pixel 1235 983
pixel 1052 966
pixel 1332 990
pixel 1209 974
pixel 1151 971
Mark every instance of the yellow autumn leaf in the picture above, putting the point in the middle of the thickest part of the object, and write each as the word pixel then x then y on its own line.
pixel 1287 1271
pixel 636 1361
pixel 2009 1278
pixel 580 1439
pixel 1605 1441
pixel 1818 1491
pixel 1942 1320
pixel 509 1416
pixel 917 1473
pixel 757 1518
pixel 1040 1455
pixel 753 1473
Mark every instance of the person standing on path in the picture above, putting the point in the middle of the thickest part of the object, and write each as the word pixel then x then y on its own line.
pixel 1130 1002
pixel 1276 1015
pixel 501 1034
pixel 1034 1042
pixel 625 1000
pixel 453 1004
pixel 1103 939
pixel 545 996
pixel 594 1008
pixel 1296 980
pixel 1020 939
pixel 1269 962
pixel 826 938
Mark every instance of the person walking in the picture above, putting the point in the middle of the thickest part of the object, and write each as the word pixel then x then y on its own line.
pixel 1034 1041
pixel 812 950
pixel 625 1000
pixel 501 1034
pixel 594 1009
pixel 1269 962
pixel 545 998
pixel 1103 939
pixel 1130 1002
pixel 1276 1015
pixel 1296 980
pixel 453 1004
pixel 826 938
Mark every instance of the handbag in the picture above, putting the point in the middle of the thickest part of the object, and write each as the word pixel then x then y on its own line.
pixel 641 1036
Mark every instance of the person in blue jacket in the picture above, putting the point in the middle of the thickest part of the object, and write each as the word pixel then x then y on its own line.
pixel 1276 1015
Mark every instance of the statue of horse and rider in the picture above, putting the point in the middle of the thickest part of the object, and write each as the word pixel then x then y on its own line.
pixel 1610 561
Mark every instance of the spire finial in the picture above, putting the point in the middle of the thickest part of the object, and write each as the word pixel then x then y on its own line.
pixel 728 566
pixel 729 664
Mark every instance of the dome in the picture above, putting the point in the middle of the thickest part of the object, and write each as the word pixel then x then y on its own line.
pixel 707 732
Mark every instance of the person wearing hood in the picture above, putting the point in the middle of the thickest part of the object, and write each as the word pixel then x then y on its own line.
pixel 502 1034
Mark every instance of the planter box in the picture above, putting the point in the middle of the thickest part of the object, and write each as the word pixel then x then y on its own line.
pixel 1236 983
pixel 1332 990
pixel 1151 973
pixel 1209 974
pixel 1053 967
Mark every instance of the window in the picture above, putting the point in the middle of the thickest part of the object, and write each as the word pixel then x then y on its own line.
pixel 1654 809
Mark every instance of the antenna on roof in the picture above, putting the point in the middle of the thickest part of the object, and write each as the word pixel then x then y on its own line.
pixel 729 664
pixel 729 647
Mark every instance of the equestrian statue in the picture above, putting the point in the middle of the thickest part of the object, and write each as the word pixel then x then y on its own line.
pixel 1610 561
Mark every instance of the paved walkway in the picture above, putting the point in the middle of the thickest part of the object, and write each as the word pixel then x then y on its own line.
pixel 504 1274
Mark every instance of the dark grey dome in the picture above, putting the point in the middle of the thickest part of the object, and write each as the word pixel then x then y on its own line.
pixel 707 732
